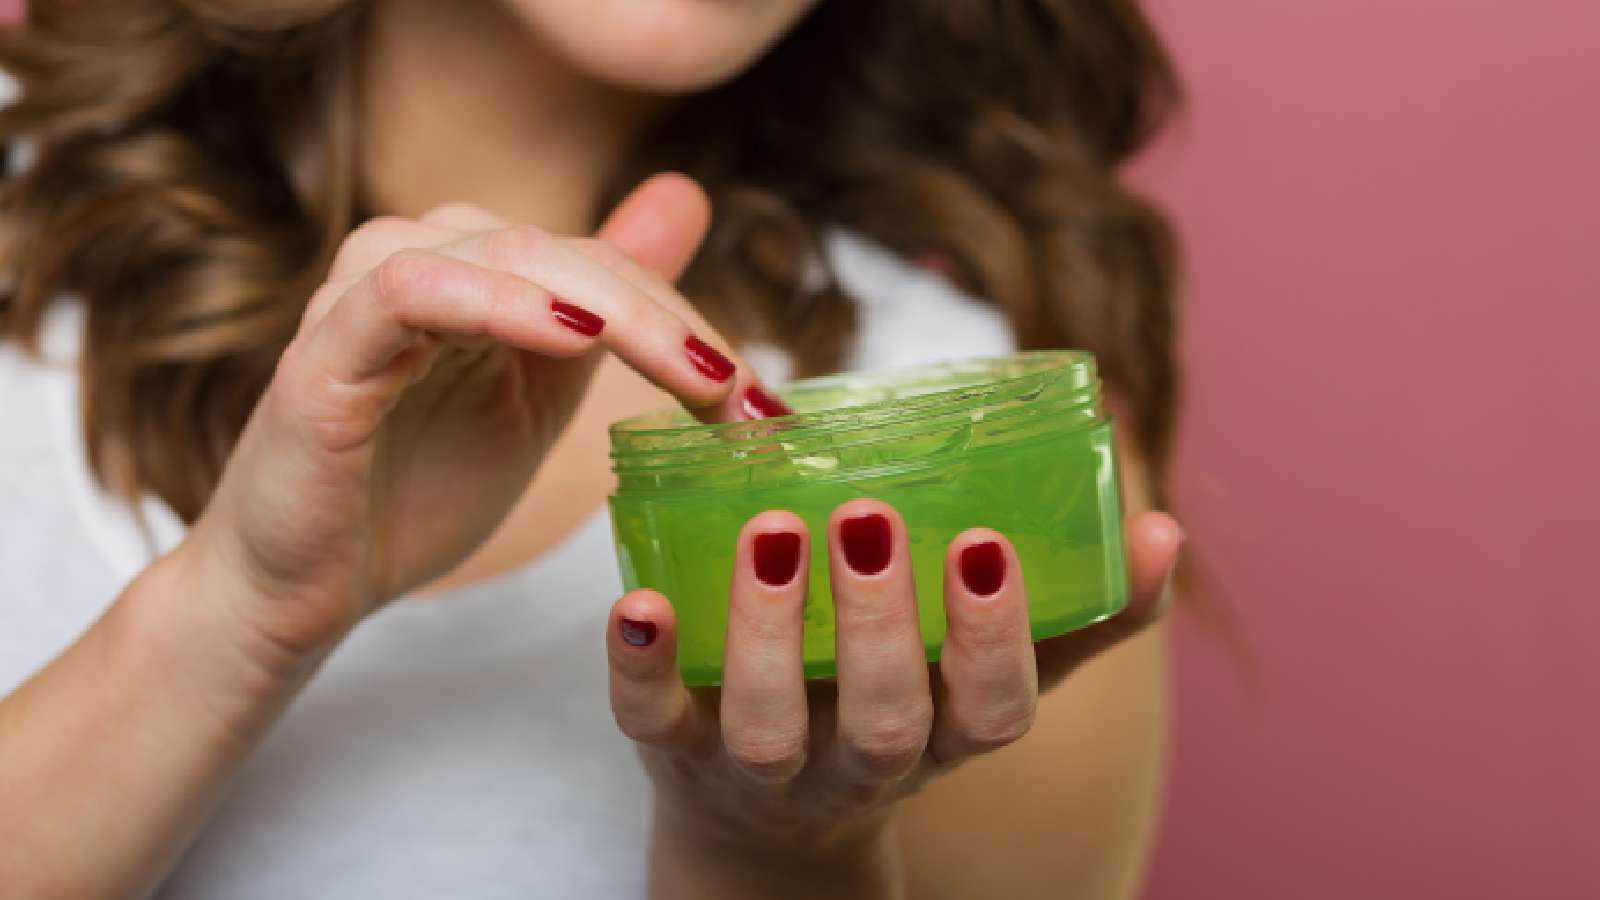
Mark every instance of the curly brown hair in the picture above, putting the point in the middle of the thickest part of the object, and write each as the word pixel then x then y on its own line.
pixel 195 169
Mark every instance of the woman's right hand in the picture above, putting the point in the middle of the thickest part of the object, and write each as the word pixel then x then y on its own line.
pixel 429 377
pixel 426 381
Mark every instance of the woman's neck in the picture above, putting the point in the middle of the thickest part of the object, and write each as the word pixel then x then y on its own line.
pixel 460 102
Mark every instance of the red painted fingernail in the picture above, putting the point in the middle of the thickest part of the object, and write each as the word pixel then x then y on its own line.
pixel 577 318
pixel 759 404
pixel 705 357
pixel 777 556
pixel 636 633
pixel 983 568
pixel 868 542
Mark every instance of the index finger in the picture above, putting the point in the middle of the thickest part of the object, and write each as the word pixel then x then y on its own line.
pixel 649 239
pixel 748 398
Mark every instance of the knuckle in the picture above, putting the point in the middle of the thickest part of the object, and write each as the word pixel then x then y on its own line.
pixel 768 753
pixel 774 634
pixel 887 745
pixel 874 621
pixel 503 296
pixel 394 279
pixel 998 726
pixel 509 246
pixel 985 635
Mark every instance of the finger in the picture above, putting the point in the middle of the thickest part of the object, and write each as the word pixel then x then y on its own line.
pixel 462 217
pixel 377 239
pixel 748 399
pixel 363 350
pixel 648 697
pixel 764 713
pixel 988 682
pixel 1153 540
pixel 646 335
pixel 365 248
pixel 650 238
pixel 884 705
pixel 660 224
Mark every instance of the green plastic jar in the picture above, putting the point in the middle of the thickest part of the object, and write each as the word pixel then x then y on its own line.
pixel 1018 444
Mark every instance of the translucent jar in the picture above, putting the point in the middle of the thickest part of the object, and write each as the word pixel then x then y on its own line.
pixel 1018 444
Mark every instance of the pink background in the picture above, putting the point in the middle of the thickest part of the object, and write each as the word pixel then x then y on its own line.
pixel 1392 457
pixel 1392 451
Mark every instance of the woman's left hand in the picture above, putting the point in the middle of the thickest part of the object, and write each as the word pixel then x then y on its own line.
pixel 788 770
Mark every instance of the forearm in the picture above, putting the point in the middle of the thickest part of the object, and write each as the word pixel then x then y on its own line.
pixel 684 863
pixel 113 755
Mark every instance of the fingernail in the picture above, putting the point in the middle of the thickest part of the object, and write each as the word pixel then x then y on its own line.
pixel 705 357
pixel 759 404
pixel 636 633
pixel 577 318
pixel 868 542
pixel 777 557
pixel 983 568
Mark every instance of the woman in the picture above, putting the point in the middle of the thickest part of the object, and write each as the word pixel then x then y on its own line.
pixel 344 342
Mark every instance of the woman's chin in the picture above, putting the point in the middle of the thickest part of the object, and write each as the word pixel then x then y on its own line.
pixel 662 46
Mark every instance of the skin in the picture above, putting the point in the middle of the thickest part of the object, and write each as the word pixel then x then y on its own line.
pixel 434 327
pixel 771 775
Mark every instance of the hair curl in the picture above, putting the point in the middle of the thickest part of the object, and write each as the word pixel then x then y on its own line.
pixel 195 170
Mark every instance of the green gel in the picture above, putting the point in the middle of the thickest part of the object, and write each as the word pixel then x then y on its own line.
pixel 1016 444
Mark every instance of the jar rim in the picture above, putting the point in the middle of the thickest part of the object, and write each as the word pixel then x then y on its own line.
pixel 857 423
pixel 899 394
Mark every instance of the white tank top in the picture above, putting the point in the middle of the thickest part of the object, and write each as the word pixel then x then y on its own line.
pixel 460 746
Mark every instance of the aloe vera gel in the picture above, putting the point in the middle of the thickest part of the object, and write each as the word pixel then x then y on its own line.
pixel 1018 444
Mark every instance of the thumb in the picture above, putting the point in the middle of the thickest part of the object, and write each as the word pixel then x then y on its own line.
pixel 1153 540
pixel 660 224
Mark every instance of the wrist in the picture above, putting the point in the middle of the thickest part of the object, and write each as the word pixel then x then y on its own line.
pixel 859 861
pixel 180 620
pixel 285 620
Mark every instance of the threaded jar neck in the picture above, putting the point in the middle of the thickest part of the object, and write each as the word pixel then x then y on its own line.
pixel 860 424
